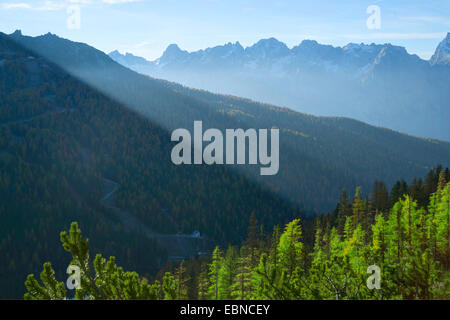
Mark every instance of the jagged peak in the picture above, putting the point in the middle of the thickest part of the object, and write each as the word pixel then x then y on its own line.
pixel 234 45
pixel 390 48
pixel 173 47
pixel 17 33
pixel 442 52
pixel 309 43
pixel 227 45
pixel 269 42
pixel 173 51
pixel 49 35
pixel 352 46
pixel 268 48
pixel 116 54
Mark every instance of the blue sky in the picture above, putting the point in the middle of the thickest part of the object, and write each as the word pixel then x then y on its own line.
pixel 147 27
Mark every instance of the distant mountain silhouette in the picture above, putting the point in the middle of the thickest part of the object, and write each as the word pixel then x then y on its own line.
pixel 381 84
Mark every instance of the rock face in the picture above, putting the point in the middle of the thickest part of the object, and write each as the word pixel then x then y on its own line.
pixel 442 53
pixel 381 84
pixel 269 52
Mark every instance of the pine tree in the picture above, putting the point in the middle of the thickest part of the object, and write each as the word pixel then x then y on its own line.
pixel 203 283
pixel 274 243
pixel 290 247
pixel 252 240
pixel 227 273
pixel 357 208
pixel 181 281
pixel 343 211
pixel 106 281
pixel 379 197
pixel 214 273
pixel 242 287
pixel 442 181
pixel 441 205
pixel 170 287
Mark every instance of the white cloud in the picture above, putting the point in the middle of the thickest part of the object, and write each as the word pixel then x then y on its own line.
pixel 81 1
pixel 380 35
pixel 47 5
pixel 119 1
pixel 142 44
pixel 52 5
pixel 427 19
pixel 16 6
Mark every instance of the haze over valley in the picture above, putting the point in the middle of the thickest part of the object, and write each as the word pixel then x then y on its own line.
pixel 380 84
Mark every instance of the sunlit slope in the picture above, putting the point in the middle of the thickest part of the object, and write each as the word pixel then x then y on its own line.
pixel 61 141
pixel 318 155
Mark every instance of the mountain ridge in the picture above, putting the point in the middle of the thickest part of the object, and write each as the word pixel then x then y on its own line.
pixel 275 44
pixel 380 84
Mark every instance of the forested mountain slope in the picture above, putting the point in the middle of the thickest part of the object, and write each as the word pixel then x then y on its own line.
pixel 389 246
pixel 62 142
pixel 318 155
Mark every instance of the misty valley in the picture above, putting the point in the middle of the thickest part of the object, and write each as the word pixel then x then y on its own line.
pixel 129 180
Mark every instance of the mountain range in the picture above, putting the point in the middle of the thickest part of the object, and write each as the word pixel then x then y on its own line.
pixel 381 84
pixel 83 138
pixel 318 155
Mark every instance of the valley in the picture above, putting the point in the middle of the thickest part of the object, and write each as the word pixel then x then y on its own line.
pixel 380 84
pixel 87 140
